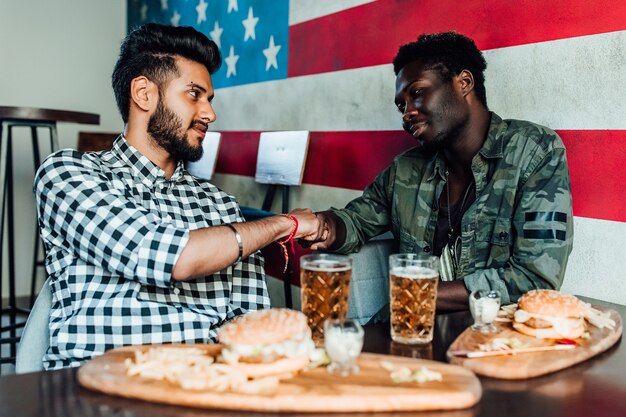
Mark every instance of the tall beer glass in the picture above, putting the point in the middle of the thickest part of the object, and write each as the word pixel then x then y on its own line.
pixel 325 282
pixel 413 296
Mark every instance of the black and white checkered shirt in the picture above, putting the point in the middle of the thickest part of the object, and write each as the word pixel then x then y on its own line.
pixel 113 227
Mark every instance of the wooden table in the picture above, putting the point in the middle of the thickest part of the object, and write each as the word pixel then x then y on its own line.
pixel 595 387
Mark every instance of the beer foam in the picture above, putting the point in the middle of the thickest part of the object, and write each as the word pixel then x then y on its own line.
pixel 326 266
pixel 414 272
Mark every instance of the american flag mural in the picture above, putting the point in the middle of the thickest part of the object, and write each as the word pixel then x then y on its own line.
pixel 324 66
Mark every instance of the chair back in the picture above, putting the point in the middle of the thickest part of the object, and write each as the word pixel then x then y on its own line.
pixel 369 285
pixel 35 338
pixel 281 157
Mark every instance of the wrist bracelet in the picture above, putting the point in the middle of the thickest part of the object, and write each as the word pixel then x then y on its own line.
pixel 239 242
pixel 288 239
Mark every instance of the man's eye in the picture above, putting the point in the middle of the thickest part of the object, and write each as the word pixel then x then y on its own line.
pixel 194 93
pixel 416 92
pixel 400 107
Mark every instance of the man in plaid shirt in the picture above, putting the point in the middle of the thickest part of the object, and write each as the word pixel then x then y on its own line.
pixel 137 249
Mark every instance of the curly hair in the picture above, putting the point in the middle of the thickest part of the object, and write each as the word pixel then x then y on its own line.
pixel 448 53
pixel 151 50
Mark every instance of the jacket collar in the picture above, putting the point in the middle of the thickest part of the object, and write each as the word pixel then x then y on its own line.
pixel 491 149
pixel 493 146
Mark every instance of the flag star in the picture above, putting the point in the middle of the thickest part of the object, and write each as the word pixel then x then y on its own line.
pixel 231 63
pixel 144 12
pixel 163 4
pixel 249 24
pixel 175 19
pixel 270 54
pixel 201 10
pixel 232 5
pixel 216 34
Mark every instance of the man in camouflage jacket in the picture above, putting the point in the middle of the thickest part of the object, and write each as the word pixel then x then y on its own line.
pixel 507 183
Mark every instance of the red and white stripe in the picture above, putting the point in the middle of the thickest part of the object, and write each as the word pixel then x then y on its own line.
pixel 559 63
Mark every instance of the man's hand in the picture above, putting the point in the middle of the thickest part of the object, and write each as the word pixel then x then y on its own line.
pixel 308 222
pixel 330 232
pixel 452 296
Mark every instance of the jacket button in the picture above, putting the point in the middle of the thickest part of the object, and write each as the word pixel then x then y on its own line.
pixel 503 235
pixel 176 291
pixel 427 249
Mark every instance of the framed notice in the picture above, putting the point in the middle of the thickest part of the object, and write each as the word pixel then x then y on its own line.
pixel 205 166
pixel 281 157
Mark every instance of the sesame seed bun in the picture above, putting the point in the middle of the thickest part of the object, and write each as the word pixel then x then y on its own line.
pixel 267 342
pixel 264 327
pixel 551 303
pixel 548 314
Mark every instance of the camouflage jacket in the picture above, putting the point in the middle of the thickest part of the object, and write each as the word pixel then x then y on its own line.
pixel 516 236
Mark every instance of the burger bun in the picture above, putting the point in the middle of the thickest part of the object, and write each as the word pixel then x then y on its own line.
pixel 279 367
pixel 273 325
pixel 551 303
pixel 268 342
pixel 550 332
pixel 549 314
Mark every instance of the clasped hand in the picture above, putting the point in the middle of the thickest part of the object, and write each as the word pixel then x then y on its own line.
pixel 316 230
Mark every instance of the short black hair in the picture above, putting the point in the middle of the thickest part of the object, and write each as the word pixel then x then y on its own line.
pixel 448 53
pixel 151 50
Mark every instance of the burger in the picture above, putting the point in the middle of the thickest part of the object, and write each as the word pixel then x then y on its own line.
pixel 267 342
pixel 548 314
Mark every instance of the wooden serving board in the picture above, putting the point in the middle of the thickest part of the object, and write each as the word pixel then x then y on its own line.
pixel 530 365
pixel 309 391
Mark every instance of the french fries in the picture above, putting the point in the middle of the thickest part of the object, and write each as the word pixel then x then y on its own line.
pixel 193 369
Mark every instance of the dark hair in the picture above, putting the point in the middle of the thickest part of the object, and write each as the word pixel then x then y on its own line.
pixel 151 50
pixel 448 53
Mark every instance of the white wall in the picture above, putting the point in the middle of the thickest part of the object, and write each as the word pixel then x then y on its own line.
pixel 55 54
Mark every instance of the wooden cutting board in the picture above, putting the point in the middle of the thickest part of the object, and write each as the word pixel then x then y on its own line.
pixel 529 365
pixel 309 391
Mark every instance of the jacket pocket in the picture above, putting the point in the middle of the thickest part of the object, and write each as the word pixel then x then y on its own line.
pixel 410 244
pixel 501 242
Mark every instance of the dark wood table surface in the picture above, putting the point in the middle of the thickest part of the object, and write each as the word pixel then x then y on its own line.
pixel 47 115
pixel 596 387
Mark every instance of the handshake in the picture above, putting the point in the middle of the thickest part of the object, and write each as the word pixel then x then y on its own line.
pixel 319 231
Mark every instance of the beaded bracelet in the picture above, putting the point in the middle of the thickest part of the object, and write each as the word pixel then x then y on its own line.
pixel 288 239
pixel 239 242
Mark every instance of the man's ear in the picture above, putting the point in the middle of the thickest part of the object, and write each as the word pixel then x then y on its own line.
pixel 465 81
pixel 144 93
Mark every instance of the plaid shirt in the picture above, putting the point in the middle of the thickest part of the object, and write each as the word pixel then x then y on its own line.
pixel 113 227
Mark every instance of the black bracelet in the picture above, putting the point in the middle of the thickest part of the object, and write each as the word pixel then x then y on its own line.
pixel 239 242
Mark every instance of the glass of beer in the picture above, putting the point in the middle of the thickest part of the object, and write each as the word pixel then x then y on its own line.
pixel 413 296
pixel 325 282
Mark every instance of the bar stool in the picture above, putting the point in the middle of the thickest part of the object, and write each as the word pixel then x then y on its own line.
pixel 33 119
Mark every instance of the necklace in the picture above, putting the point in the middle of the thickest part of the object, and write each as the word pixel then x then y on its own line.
pixel 451 232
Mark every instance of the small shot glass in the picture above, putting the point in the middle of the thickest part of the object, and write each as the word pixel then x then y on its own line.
pixel 484 306
pixel 343 341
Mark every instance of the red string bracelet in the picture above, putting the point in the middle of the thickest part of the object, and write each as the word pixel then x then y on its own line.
pixel 288 239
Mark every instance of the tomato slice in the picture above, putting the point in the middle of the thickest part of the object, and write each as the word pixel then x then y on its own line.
pixel 566 342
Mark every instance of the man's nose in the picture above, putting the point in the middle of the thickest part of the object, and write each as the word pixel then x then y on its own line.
pixel 409 112
pixel 207 113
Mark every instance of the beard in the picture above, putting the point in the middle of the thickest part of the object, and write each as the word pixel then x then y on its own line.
pixel 449 122
pixel 165 126
pixel 430 146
